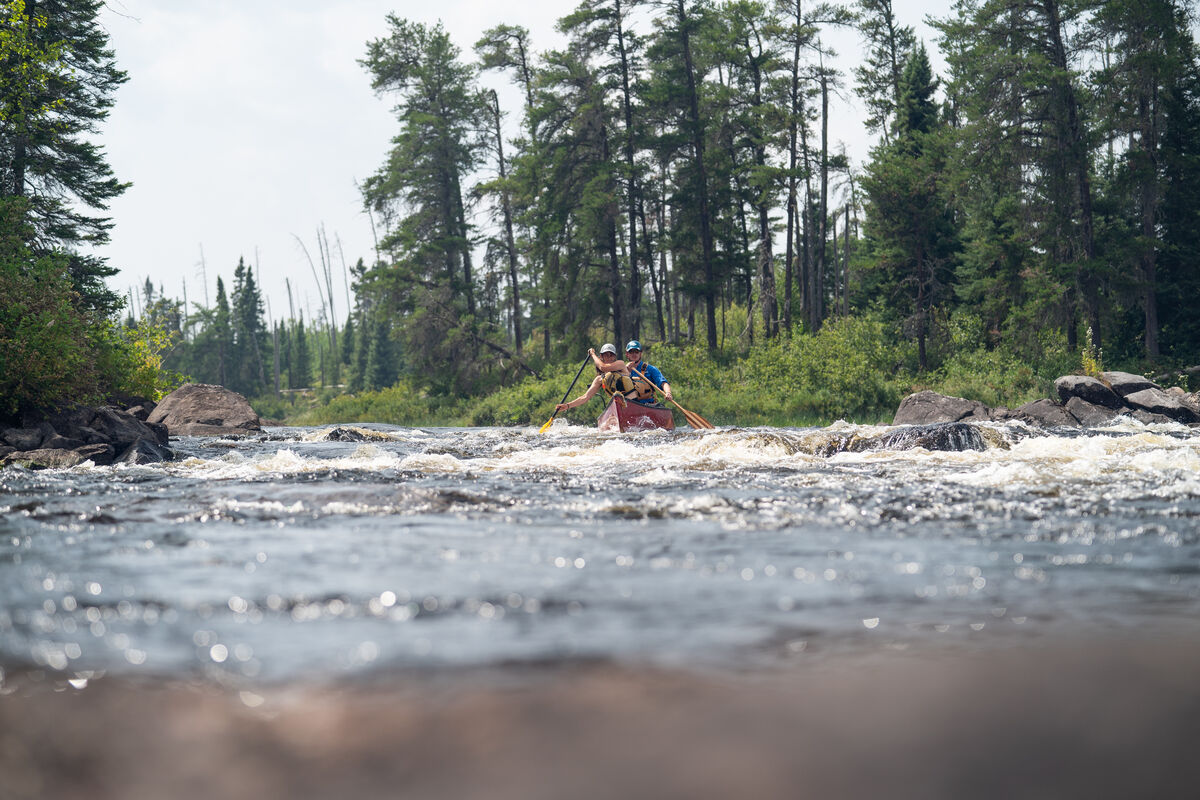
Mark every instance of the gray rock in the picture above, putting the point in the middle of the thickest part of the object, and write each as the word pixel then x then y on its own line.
pixel 948 436
pixel 1048 414
pixel 120 428
pixel 99 454
pixel 924 408
pixel 1126 383
pixel 22 438
pixel 143 410
pixel 161 432
pixel 350 434
pixel 1156 401
pixel 56 442
pixel 199 409
pixel 5 450
pixel 1090 414
pixel 1146 418
pixel 144 451
pixel 44 459
pixel 1086 388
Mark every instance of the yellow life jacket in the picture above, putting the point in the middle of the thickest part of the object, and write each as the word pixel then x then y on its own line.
pixel 616 383
pixel 643 387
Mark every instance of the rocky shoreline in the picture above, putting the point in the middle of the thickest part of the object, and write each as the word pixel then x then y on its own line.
pixel 136 431
pixel 1083 402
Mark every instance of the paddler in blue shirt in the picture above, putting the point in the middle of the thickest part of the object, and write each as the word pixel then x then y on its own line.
pixel 642 373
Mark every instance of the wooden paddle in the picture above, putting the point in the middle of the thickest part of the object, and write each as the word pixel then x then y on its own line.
pixel 693 419
pixel 586 361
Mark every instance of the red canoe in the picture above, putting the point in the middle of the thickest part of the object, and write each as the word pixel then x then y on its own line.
pixel 635 417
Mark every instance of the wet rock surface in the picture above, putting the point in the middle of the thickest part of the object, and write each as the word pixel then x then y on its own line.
pixel 1083 402
pixel 71 437
pixel 201 409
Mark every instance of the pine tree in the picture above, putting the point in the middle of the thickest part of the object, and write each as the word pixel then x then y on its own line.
pixel 909 219
pixel 56 87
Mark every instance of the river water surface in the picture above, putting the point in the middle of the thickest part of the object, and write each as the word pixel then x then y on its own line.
pixel 295 556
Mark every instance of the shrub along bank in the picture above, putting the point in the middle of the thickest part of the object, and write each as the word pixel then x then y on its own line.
pixel 855 369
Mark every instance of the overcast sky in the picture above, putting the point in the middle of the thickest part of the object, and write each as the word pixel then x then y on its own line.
pixel 247 123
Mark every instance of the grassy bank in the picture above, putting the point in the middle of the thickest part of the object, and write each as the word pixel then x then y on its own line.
pixel 855 369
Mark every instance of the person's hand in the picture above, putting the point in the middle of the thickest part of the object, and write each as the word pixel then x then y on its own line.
pixel 591 351
pixel 562 406
pixel 667 393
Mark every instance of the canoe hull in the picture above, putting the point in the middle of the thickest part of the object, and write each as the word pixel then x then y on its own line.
pixel 635 417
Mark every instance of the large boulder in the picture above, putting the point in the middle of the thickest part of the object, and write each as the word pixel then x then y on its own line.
pixel 201 409
pixel 1087 388
pixel 1048 414
pixel 926 408
pixel 1126 383
pixel 1156 401
pixel 1090 414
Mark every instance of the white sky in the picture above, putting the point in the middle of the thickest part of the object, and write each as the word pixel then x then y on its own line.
pixel 246 123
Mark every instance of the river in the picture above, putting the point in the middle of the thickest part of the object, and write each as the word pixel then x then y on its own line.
pixel 294 555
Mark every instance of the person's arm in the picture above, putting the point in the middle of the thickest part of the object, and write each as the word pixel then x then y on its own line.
pixel 655 376
pixel 583 398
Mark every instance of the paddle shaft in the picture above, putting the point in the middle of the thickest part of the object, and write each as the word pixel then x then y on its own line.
pixel 586 361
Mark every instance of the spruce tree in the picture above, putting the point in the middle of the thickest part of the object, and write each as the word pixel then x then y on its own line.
pixel 55 90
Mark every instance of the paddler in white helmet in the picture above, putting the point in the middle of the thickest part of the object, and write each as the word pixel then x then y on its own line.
pixel 616 383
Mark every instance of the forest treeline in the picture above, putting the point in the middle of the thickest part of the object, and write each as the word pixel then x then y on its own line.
pixel 675 161
pixel 672 174
pixel 60 337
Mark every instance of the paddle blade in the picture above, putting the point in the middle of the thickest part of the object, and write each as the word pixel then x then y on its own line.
pixel 546 427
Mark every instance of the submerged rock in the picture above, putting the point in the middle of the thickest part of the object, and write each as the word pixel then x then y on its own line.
pixel 44 459
pixel 201 409
pixel 948 436
pixel 351 434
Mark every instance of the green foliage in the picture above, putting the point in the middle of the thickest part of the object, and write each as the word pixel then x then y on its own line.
pixel 54 353
pixel 402 404
pixel 132 358
pixel 46 343
pixel 1091 357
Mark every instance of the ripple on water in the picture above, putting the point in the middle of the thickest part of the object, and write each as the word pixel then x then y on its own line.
pixel 311 552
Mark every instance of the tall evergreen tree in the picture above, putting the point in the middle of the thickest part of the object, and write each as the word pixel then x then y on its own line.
pixel 909 219
pixel 419 193
pixel 56 87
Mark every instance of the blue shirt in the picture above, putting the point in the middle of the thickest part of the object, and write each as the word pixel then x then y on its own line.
pixel 652 374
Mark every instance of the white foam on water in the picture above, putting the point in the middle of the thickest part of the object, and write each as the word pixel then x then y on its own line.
pixel 1051 460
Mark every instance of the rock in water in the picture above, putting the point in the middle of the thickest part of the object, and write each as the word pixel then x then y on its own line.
pixel 924 408
pixel 201 409
pixel 949 436
pixel 1048 414
pixel 1126 383
pixel 1090 414
pixel 1156 401
pixel 1086 388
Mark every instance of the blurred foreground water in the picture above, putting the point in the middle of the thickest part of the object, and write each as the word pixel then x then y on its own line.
pixel 296 555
